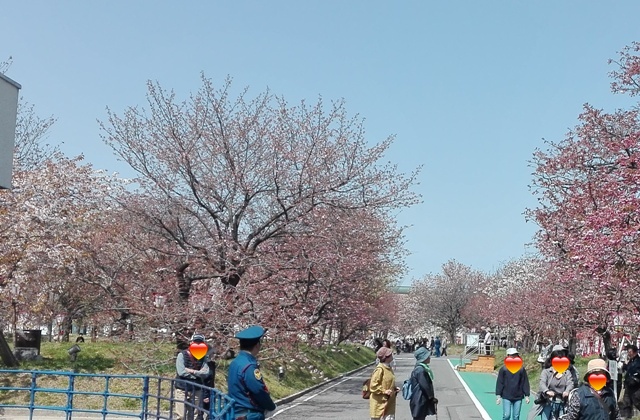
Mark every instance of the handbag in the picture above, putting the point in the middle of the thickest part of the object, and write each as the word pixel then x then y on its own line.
pixel 366 386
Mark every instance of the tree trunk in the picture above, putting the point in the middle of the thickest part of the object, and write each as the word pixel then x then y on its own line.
pixel 606 337
pixel 452 337
pixel 67 324
pixel 572 342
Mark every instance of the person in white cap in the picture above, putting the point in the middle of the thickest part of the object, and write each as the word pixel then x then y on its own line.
pixel 511 388
pixel 592 400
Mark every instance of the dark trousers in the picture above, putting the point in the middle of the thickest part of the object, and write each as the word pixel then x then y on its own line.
pixel 630 399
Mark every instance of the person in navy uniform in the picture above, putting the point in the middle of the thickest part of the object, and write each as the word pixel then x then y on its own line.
pixel 245 382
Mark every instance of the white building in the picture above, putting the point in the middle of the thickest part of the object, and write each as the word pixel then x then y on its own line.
pixel 8 114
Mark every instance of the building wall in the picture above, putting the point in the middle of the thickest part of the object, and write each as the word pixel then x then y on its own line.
pixel 8 113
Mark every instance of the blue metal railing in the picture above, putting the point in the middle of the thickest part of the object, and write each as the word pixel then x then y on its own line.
pixel 136 396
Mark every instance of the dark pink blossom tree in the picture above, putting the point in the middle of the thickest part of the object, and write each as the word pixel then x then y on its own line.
pixel 589 190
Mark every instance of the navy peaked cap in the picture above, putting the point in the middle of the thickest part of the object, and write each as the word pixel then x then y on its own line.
pixel 254 332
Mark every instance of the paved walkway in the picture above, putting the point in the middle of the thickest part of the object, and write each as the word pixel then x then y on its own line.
pixel 342 399
pixel 483 388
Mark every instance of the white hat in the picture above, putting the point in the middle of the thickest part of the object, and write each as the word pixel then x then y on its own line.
pixel 511 351
pixel 597 365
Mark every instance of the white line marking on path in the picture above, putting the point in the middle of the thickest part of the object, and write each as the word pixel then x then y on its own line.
pixel 309 397
pixel 475 401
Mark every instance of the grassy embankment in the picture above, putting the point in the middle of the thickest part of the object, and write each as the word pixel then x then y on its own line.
pixel 307 367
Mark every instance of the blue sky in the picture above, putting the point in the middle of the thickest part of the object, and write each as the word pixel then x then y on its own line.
pixel 469 88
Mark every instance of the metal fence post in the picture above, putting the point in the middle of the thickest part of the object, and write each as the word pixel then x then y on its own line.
pixel 32 394
pixel 69 408
pixel 145 396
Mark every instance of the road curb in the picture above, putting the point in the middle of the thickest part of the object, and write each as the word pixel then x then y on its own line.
pixel 299 394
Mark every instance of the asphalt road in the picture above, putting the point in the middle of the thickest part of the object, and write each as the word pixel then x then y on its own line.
pixel 342 399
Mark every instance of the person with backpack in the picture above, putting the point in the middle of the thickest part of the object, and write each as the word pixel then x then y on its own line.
pixel 382 388
pixel 422 402
pixel 511 388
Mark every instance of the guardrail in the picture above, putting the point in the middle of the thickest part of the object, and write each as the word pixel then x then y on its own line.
pixel 470 353
pixel 134 396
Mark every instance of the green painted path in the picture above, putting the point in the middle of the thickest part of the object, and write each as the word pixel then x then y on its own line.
pixel 483 387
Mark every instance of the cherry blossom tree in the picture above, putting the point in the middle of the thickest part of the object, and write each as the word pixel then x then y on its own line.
pixel 512 299
pixel 230 186
pixel 440 299
pixel 588 190
pixel 44 218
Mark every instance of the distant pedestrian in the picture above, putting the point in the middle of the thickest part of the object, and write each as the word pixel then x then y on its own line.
pixel 386 343
pixel 382 403
pixel 444 346
pixel 487 341
pixel 436 346
pixel 511 388
pixel 423 401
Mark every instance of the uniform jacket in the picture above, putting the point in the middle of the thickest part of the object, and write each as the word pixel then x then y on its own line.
pixel 246 386
pixel 382 379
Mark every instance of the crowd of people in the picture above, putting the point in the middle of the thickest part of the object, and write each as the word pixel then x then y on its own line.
pixel 436 345
pixel 565 395
pixel 562 394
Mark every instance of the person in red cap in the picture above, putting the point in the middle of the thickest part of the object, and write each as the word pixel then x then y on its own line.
pixel 382 403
